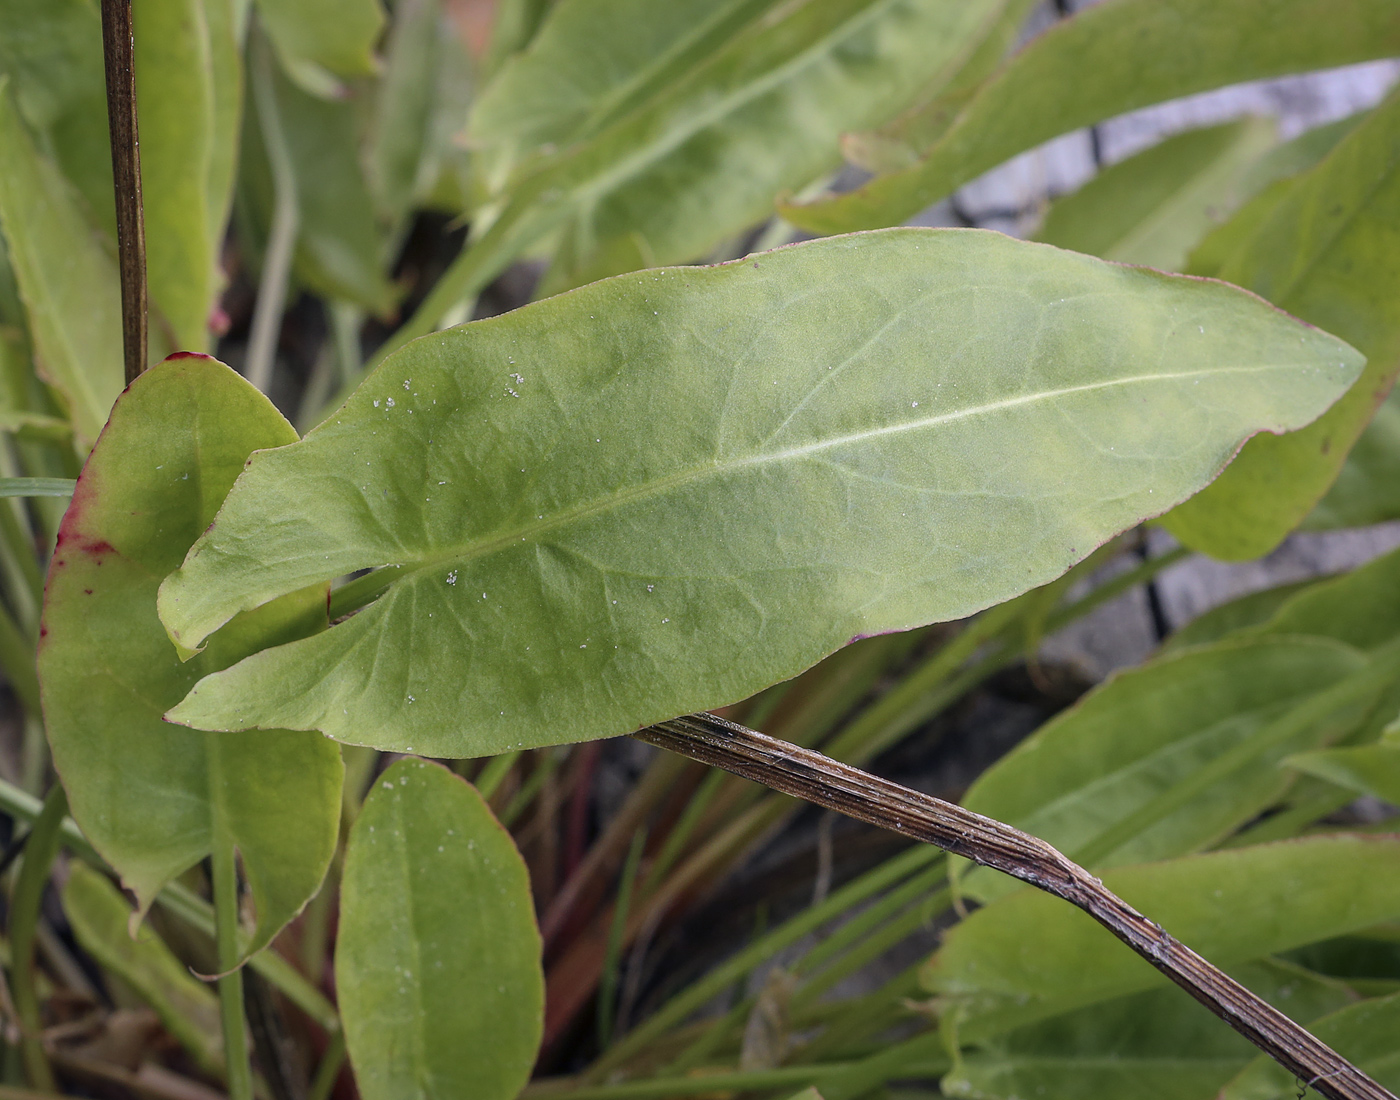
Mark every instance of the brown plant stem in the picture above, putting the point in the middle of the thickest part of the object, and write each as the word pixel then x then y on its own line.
pixel 118 54
pixel 809 775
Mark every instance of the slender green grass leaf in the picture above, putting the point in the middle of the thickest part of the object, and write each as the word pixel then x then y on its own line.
pixel 52 52
pixel 341 247
pixel 1157 1045
pixel 1029 956
pixel 67 278
pixel 1106 60
pixel 226 23
pixel 175 93
pixel 319 40
pixel 1363 1033
pixel 36 487
pixel 1153 208
pixel 1330 254
pixel 150 796
pixel 1079 779
pixel 663 492
pixel 438 957
pixel 101 919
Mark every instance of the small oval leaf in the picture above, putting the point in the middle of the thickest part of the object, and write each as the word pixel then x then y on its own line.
pixel 438 961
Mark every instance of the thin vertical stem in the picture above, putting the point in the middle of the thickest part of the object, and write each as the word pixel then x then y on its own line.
pixel 225 883
pixel 118 52
pixel 286 217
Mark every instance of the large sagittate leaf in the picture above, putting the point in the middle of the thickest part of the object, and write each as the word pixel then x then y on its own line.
pixel 176 96
pixel 1153 208
pixel 319 40
pixel 1362 1033
pixel 662 492
pixel 437 962
pixel 148 795
pixel 1089 781
pixel 1112 58
pixel 52 52
pixel 1029 956
pixel 101 920
pixel 1157 1045
pixel 1329 253
pixel 66 277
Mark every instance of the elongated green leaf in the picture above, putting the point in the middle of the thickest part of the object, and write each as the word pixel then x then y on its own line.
pixel 663 492
pixel 52 52
pixel 706 160
pixel 1080 779
pixel 1367 489
pixel 318 40
pixel 148 795
pixel 340 249
pixel 1157 1045
pixel 1253 609
pixel 1329 253
pixel 1366 769
pixel 1106 60
pixel 175 93
pixel 1152 208
pixel 1362 1033
pixel 419 106
pixel 1268 182
pixel 438 958
pixel 226 25
pixel 101 920
pixel 36 487
pixel 1360 607
pixel 66 277
pixel 1029 956
pixel 701 162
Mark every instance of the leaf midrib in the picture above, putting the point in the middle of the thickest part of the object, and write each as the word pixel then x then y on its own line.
pixel 485 546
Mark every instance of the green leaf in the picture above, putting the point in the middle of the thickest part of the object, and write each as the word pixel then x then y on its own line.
pixel 175 94
pixel 52 52
pixel 340 250
pixel 1360 607
pixel 318 40
pixel 1363 1033
pixel 1107 60
pixel 1329 253
pixel 1367 489
pixel 102 919
pixel 437 960
pixel 1268 182
pixel 1081 785
pixel 1152 208
pixel 418 109
pixel 1366 769
pixel 682 157
pixel 67 279
pixel 1254 609
pixel 1029 956
pixel 666 491
pixel 1157 1045
pixel 149 796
